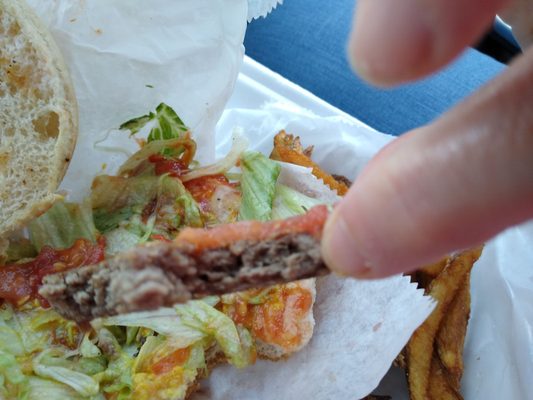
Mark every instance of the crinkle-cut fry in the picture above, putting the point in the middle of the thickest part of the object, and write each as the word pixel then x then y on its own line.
pixel 439 385
pixel 288 148
pixel 452 332
pixel 420 348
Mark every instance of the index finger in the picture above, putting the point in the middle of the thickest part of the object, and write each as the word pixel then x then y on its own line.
pixel 395 41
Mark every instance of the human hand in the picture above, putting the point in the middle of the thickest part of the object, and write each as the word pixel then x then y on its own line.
pixel 449 185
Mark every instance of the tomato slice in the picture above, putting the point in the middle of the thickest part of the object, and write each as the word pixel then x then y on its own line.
pixel 20 283
pixel 276 319
pixel 202 189
pixel 167 363
pixel 165 165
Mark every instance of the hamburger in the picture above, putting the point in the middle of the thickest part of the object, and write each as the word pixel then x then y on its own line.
pixel 51 287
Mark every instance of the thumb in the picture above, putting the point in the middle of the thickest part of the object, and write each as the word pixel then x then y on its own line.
pixel 444 187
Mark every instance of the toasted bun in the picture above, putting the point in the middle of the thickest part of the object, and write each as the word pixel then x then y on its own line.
pixel 38 116
pixel 305 326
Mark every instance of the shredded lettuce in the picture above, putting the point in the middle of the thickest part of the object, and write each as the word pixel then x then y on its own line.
pixel 207 319
pixel 19 249
pixel 121 203
pixel 240 144
pixel 106 221
pixel 118 377
pixel 289 203
pixel 111 194
pixel 27 353
pixel 163 321
pixel 150 346
pixel 165 124
pixel 62 225
pixel 88 348
pixel 258 185
pixel 10 370
pixel 186 325
pixel 32 329
pixel 40 389
pixel 191 211
pixel 49 364
pixel 119 240
pixel 10 341
pixel 92 365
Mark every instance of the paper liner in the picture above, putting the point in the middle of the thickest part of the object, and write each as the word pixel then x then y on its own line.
pixel 261 8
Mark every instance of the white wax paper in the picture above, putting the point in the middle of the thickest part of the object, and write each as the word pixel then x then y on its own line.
pixel 125 57
pixel 499 344
pixel 261 8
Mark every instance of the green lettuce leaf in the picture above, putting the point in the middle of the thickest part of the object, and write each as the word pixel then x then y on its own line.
pixel 52 364
pixel 164 321
pixel 119 240
pixel 187 325
pixel 289 203
pixel 258 185
pixel 107 221
pixel 119 203
pixel 19 249
pixel 236 345
pixel 62 225
pixel 10 341
pixel 191 211
pixel 165 124
pixel 118 377
pixel 111 194
pixel 40 389
pixel 10 370
pixel 26 332
pixel 88 348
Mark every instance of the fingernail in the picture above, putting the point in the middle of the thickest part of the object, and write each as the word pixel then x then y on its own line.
pixel 339 249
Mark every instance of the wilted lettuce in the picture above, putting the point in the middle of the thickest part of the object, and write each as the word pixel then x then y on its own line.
pixel 258 185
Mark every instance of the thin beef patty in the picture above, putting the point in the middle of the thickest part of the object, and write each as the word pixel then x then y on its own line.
pixel 162 274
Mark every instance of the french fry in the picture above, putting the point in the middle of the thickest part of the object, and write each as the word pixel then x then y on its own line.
pixel 420 349
pixel 451 335
pixel 288 148
pixel 439 387
pixel 425 275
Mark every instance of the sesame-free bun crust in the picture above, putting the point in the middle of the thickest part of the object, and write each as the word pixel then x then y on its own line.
pixel 38 116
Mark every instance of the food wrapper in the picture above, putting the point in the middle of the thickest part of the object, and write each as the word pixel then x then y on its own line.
pixel 261 8
pixel 125 57
pixel 497 357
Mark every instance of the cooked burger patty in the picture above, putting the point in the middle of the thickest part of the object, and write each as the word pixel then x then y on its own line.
pixel 163 274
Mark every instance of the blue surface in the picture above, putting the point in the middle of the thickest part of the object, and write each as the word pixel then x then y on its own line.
pixel 305 41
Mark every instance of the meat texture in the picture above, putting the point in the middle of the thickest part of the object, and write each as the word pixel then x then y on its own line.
pixel 163 274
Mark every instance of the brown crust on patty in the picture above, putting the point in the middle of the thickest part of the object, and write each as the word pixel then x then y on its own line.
pixel 163 274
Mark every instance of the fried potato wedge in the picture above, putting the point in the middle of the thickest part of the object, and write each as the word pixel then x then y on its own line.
pixel 439 386
pixel 425 275
pixel 288 148
pixel 421 346
pixel 451 335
